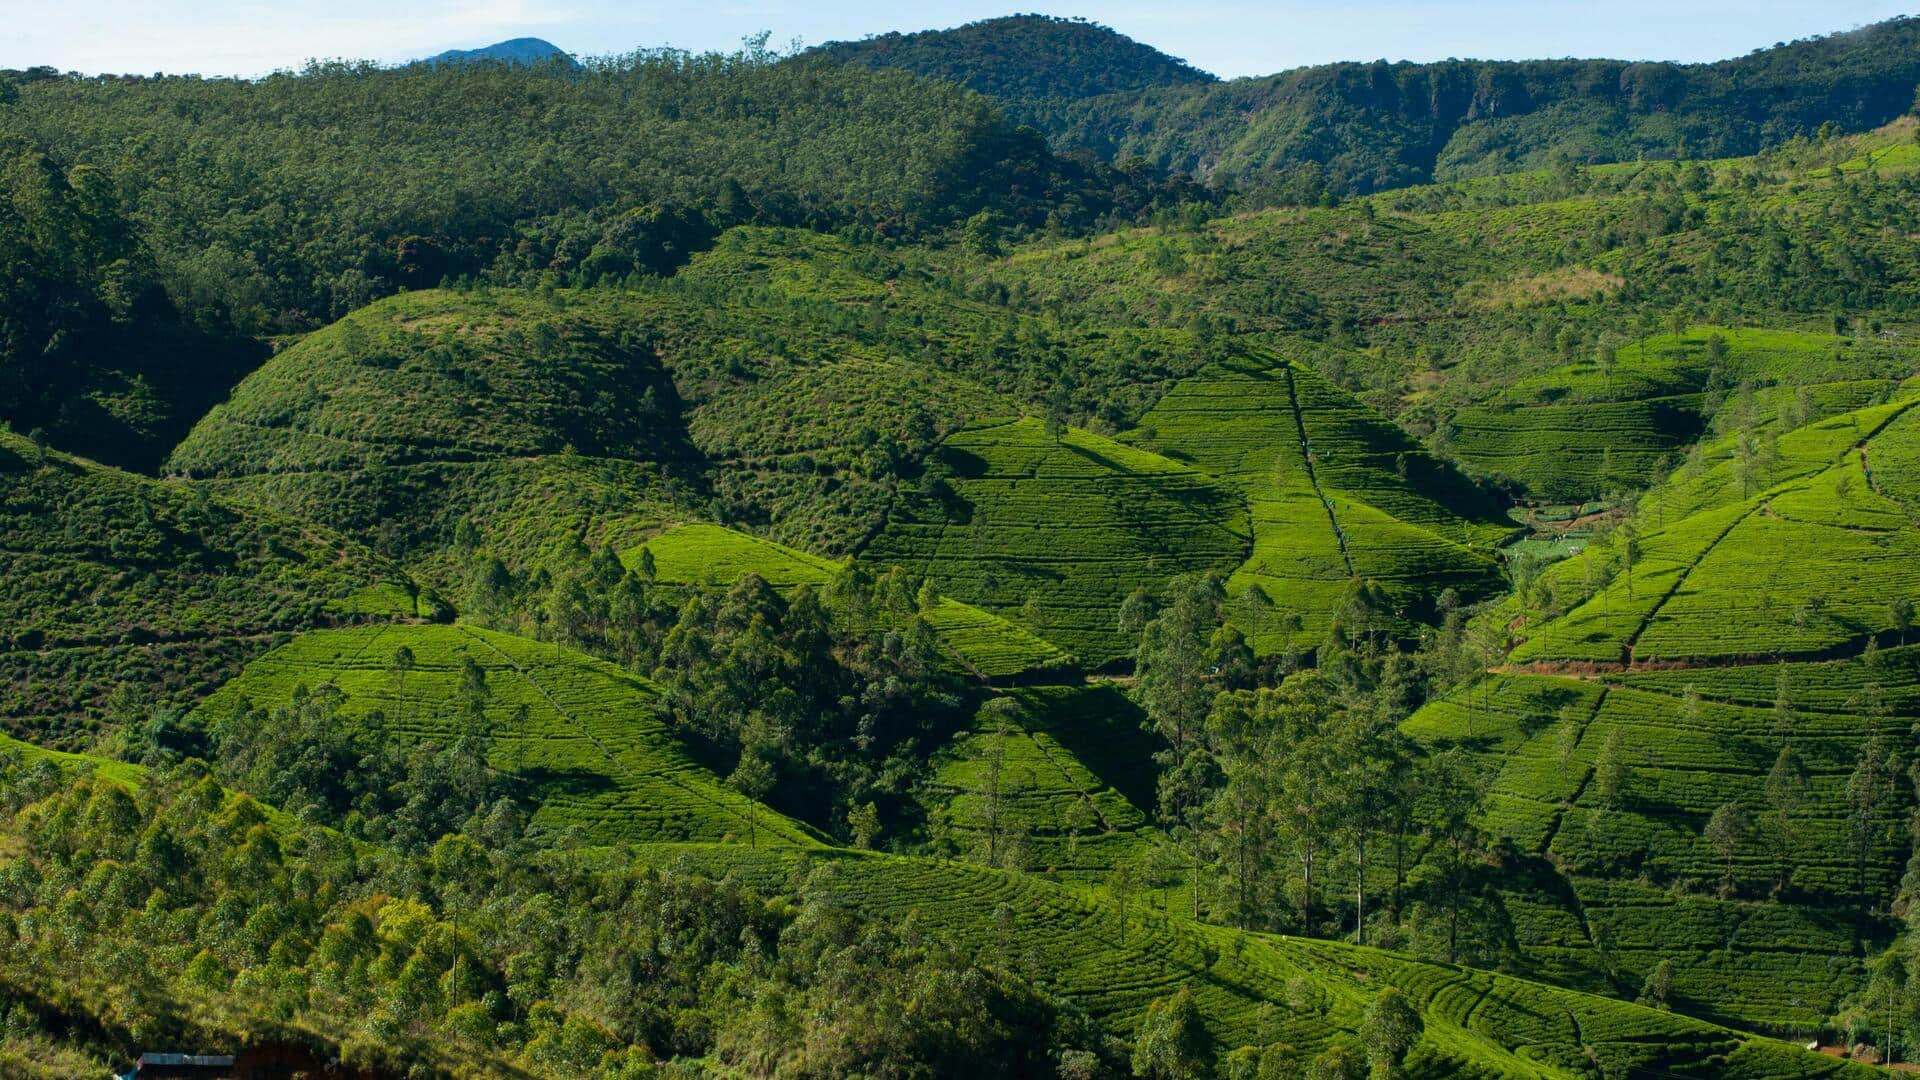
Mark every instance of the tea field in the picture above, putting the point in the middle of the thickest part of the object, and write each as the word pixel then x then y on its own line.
pixel 1256 989
pixel 1053 531
pixel 713 557
pixel 1335 492
pixel 584 737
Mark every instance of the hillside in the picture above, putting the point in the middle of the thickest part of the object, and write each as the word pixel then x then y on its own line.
pixel 712 559
pixel 767 565
pixel 584 740
pixel 1359 127
pixel 1338 494
pixel 122 595
pixel 1125 958
pixel 1752 656
pixel 1023 56
pixel 1053 530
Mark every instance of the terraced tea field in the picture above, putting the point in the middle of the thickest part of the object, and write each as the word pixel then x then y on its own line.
pixel 1641 881
pixel 1336 493
pixel 1053 532
pixel 1256 989
pixel 1806 569
pixel 1062 791
pixel 1585 431
pixel 585 737
pixel 714 557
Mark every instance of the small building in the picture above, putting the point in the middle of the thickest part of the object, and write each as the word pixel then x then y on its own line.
pixel 270 1061
pixel 152 1066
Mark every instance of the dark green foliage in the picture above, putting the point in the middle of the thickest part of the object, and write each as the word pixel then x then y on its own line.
pixel 91 349
pixel 1024 56
pixel 522 173
pixel 465 956
pixel 1358 127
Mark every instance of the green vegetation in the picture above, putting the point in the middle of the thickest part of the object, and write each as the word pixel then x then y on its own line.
pixel 122 595
pixel 583 741
pixel 1621 420
pixel 1349 127
pixel 714 558
pixel 626 547
pixel 1052 780
pixel 1053 528
pixel 1338 495
pixel 1024 56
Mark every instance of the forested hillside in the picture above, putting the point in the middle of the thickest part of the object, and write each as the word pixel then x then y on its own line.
pixel 764 566
pixel 1359 127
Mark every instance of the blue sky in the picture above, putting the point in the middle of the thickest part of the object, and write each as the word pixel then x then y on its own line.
pixel 1228 37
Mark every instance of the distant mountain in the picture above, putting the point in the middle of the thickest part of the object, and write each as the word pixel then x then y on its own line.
pixel 524 50
pixel 1025 56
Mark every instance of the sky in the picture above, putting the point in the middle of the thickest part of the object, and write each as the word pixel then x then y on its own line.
pixel 1227 37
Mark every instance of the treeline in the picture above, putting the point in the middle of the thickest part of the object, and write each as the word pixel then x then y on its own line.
pixel 280 203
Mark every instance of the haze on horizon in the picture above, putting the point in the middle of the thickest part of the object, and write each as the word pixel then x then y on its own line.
pixel 1230 38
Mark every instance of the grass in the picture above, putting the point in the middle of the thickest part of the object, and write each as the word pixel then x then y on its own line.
pixel 585 739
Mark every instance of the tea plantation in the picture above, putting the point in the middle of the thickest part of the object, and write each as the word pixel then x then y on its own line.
pixel 1059 789
pixel 1594 427
pixel 1336 493
pixel 1053 530
pixel 712 557
pixel 585 738
pixel 1034 614
pixel 1258 990
pixel 111 583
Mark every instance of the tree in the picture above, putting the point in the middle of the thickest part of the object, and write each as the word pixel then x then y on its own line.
pixel 982 234
pixel 1727 831
pixel 402 663
pixel 1783 716
pixel 1172 663
pixel 1369 755
pixel 1871 796
pixel 1390 1028
pixel 1611 771
pixel 1172 1043
pixel 1453 791
pixel 754 776
pixel 864 822
pixel 1786 789
pixel 994 723
pixel 1630 550
pixel 1135 612
pixel 1658 989
pixel 1900 616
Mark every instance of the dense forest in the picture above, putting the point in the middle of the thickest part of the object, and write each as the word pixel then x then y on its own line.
pixel 971 552
pixel 1360 127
